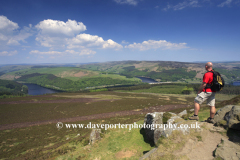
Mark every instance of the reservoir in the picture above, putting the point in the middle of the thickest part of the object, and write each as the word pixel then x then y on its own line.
pixel 34 89
pixel 147 80
pixel 237 83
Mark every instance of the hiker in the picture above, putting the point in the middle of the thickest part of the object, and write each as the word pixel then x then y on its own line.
pixel 205 93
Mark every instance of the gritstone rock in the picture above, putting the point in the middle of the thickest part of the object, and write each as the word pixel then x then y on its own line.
pixel 94 136
pixel 234 118
pixel 220 114
pixel 191 110
pixel 227 150
pixel 152 119
pixel 155 119
pixel 228 116
pixel 182 113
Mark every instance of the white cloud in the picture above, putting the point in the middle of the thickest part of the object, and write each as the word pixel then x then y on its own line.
pixel 54 33
pixel 10 33
pixel 227 2
pixel 87 40
pixel 85 51
pixel 125 42
pixel 47 53
pixel 13 42
pixel 6 25
pixel 130 2
pixel 60 35
pixel 48 41
pixel 111 44
pixel 152 44
pixel 6 53
pixel 184 4
pixel 59 28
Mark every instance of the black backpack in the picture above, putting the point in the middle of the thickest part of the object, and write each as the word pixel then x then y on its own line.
pixel 217 83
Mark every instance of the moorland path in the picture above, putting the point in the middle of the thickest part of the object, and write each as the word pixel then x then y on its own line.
pixel 162 108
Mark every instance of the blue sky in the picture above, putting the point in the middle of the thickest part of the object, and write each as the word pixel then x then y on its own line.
pixel 81 31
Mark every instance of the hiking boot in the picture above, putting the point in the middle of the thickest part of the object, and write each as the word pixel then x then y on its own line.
pixel 210 120
pixel 193 118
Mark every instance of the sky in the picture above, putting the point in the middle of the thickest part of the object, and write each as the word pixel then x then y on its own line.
pixel 83 31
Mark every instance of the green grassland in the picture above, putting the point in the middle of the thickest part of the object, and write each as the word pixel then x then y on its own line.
pixel 116 144
pixel 153 70
pixel 174 88
pixel 99 75
pixel 71 73
pixel 64 72
pixel 51 81
pixel 12 68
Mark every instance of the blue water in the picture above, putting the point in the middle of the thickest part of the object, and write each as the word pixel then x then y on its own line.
pixel 147 80
pixel 34 89
pixel 237 83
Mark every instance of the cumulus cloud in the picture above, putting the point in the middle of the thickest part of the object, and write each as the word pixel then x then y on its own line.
pixel 91 41
pixel 7 25
pixel 54 33
pixel 87 52
pixel 82 52
pixel 6 53
pixel 152 44
pixel 10 34
pixel 48 41
pixel 226 3
pixel 47 53
pixel 130 2
pixel 182 5
pixel 59 28
pixel 61 35
pixel 125 42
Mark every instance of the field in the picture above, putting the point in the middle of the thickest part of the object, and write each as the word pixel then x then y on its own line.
pixel 71 73
pixel 68 78
pixel 28 124
pixel 166 70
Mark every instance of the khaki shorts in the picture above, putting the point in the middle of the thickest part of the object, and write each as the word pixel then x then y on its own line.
pixel 203 96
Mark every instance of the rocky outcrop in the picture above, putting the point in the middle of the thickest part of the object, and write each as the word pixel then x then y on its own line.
pixel 227 150
pixel 152 119
pixel 159 129
pixel 234 118
pixel 228 116
pixel 182 113
pixel 221 113
pixel 95 135
pixel 201 143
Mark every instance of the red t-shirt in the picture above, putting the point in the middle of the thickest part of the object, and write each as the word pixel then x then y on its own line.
pixel 208 78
